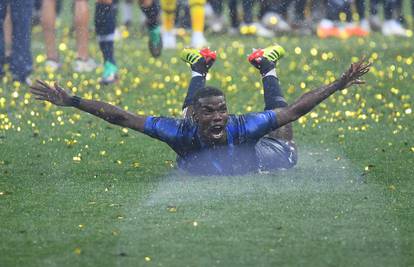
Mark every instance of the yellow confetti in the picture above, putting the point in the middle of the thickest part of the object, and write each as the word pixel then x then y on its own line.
pixel 77 251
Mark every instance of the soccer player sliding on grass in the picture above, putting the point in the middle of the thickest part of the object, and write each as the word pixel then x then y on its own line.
pixel 210 141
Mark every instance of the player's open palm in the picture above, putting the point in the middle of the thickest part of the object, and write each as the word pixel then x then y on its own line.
pixel 55 95
pixel 355 72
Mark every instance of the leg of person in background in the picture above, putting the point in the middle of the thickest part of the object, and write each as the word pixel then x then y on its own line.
pixel 126 9
pixel 168 17
pixel 251 27
pixel 352 28
pixel 300 6
pixel 3 12
pixel 217 6
pixel 182 16
pixel 234 17
pixel 389 6
pixel 83 63
pixel 275 16
pixel 412 12
pixel 37 11
pixel 216 20
pixel 58 7
pixel 151 10
pixel 399 13
pixel 374 20
pixel 327 27
pixel 391 26
pixel 361 7
pixel 197 22
pixel 21 64
pixel 105 32
pixel 48 20
pixel 299 22
pixel 246 27
pixel 8 29
pixel 247 11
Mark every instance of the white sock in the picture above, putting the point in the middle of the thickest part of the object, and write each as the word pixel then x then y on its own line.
pixel 195 74
pixel 272 72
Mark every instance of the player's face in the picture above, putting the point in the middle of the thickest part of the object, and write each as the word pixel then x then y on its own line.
pixel 211 116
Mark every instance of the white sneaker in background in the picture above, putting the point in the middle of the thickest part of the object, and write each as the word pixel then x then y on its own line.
pixel 168 40
pixel 263 31
pixel 51 65
pixel 216 24
pixel 393 27
pixel 198 40
pixel 365 25
pixel 88 65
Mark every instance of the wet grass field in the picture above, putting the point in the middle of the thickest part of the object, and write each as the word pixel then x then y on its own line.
pixel 76 191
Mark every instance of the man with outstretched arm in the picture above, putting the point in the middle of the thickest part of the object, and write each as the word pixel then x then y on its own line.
pixel 210 141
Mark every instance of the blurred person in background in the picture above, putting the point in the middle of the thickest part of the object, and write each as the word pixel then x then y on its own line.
pixel 391 25
pixel 21 62
pixel 83 62
pixel 335 25
pixel 105 25
pixel 197 12
pixel 246 25
pixel 275 15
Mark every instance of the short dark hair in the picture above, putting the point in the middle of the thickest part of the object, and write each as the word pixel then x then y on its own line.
pixel 206 92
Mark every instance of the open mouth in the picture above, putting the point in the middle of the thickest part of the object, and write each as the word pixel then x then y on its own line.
pixel 217 131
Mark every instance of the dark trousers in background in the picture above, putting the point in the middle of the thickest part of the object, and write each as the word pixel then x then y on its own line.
pixel 21 56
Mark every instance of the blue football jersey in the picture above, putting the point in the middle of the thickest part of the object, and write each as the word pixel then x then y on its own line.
pixel 237 157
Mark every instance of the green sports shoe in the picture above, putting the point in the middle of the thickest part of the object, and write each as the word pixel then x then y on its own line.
pixel 155 41
pixel 265 59
pixel 199 60
pixel 110 74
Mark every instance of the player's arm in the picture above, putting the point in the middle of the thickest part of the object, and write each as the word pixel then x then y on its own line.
pixel 311 99
pixel 112 114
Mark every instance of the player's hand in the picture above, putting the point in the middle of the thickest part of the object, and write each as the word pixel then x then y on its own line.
pixel 55 95
pixel 355 72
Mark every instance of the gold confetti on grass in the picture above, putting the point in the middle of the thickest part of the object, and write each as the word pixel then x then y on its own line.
pixel 77 251
pixel 172 209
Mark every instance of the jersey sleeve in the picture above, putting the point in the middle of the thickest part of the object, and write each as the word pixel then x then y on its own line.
pixel 255 125
pixel 163 129
pixel 168 130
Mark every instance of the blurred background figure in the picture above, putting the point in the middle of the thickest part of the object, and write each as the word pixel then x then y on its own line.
pixel 83 62
pixel 197 12
pixel 391 24
pixel 338 21
pixel 21 63
pixel 105 25
pixel 7 36
pixel 126 8
pixel 275 15
pixel 246 25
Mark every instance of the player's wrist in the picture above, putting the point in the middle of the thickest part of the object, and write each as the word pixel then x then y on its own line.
pixel 75 101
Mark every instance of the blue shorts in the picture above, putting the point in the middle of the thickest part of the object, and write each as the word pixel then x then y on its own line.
pixel 275 154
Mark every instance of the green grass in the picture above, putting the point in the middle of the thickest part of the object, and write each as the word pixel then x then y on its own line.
pixel 348 202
